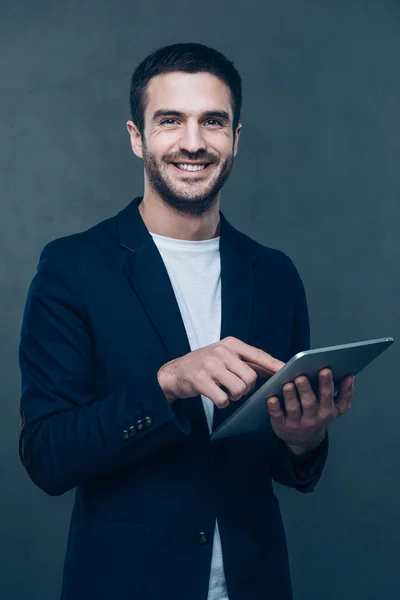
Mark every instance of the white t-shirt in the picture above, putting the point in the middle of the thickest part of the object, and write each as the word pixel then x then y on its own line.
pixel 194 269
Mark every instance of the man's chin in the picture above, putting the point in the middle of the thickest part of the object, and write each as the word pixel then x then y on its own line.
pixel 189 191
pixel 195 204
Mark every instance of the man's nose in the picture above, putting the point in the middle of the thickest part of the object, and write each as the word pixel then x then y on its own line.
pixel 192 139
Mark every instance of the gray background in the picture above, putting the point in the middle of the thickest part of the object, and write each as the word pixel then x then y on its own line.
pixel 317 175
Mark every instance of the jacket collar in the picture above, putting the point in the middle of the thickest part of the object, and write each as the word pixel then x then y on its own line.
pixel 133 233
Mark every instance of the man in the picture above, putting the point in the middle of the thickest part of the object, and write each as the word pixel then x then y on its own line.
pixel 143 334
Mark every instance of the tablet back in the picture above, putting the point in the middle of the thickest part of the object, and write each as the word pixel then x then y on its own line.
pixel 343 360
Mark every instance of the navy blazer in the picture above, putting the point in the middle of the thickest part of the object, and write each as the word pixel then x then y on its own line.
pixel 100 319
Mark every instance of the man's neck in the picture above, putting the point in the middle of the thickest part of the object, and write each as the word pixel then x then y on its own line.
pixel 163 220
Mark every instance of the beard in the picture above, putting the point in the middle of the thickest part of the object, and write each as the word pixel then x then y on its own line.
pixel 189 196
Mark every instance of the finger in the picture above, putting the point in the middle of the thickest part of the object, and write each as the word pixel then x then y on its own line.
pixel 234 385
pixel 215 393
pixel 275 411
pixel 326 390
pixel 308 400
pixel 252 387
pixel 292 405
pixel 259 371
pixel 243 371
pixel 264 364
pixel 343 399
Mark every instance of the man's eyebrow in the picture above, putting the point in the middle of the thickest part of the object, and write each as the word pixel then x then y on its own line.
pixel 165 112
pixel 210 114
pixel 218 114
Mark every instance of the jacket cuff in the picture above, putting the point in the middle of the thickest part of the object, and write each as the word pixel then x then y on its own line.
pixel 307 468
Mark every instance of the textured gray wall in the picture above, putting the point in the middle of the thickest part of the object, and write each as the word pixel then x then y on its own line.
pixel 317 175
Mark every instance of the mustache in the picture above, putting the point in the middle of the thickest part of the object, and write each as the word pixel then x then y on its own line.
pixel 191 156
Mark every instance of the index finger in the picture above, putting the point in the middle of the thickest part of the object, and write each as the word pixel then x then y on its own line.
pixel 263 363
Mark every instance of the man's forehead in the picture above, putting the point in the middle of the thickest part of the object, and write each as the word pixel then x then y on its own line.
pixel 194 92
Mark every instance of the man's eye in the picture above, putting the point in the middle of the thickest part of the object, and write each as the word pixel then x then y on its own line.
pixel 214 122
pixel 168 122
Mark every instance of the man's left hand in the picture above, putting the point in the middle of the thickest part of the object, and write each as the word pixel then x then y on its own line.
pixel 303 427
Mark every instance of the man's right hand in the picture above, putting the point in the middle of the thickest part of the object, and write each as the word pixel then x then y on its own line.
pixel 224 371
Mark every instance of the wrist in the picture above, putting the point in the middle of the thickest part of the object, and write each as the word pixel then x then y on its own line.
pixel 309 446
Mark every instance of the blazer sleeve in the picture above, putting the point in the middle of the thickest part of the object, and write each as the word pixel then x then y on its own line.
pixel 300 472
pixel 69 436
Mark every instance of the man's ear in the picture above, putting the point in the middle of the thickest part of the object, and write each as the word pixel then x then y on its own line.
pixel 237 136
pixel 136 138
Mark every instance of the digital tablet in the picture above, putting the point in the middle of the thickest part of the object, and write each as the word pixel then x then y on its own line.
pixel 343 360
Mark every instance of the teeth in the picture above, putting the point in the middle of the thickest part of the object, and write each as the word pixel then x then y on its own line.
pixel 186 167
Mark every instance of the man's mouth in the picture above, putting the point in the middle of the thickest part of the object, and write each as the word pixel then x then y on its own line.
pixel 191 166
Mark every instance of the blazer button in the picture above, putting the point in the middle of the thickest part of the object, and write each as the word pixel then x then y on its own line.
pixel 148 422
pixel 202 538
pixel 132 430
pixel 125 435
pixel 139 425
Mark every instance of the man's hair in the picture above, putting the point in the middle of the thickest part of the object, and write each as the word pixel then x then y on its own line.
pixel 189 58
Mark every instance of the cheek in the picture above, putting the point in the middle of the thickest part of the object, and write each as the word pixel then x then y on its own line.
pixel 221 142
pixel 164 142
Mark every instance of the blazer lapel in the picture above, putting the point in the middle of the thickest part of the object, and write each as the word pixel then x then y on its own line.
pixel 237 288
pixel 149 278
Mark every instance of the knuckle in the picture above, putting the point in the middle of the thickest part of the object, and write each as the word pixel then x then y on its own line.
pixel 326 396
pixel 308 404
pixel 222 400
pixel 241 387
pixel 238 390
pixel 209 363
pixel 250 378
pixel 219 351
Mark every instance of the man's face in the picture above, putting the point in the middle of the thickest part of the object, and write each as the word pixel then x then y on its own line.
pixel 188 146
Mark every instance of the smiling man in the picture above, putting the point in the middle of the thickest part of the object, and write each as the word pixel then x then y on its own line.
pixel 140 336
